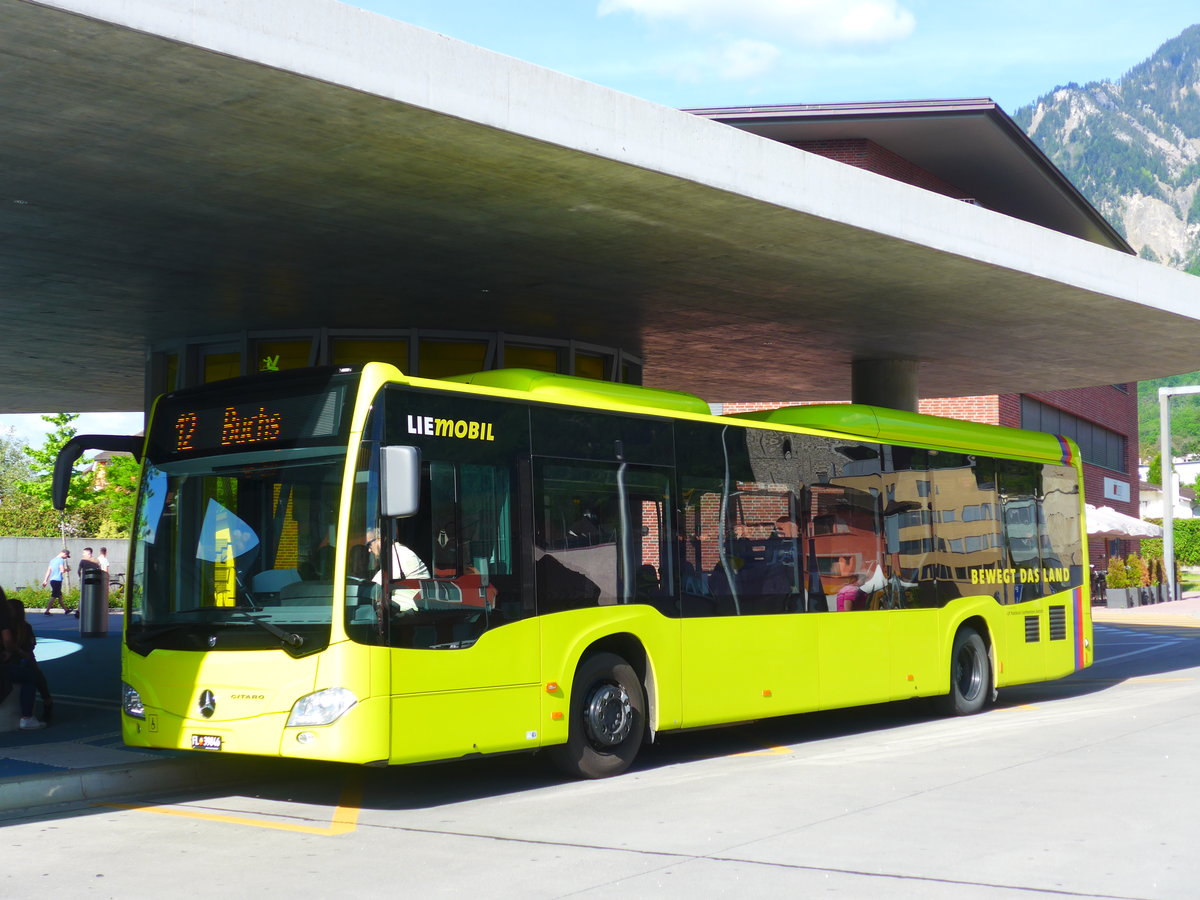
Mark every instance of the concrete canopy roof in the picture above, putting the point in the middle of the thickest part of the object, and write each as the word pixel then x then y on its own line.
pixel 178 170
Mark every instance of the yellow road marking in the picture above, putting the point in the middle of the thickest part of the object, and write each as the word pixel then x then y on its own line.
pixel 343 821
pixel 770 751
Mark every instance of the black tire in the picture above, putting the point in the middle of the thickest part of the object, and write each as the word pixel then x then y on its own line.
pixel 606 721
pixel 970 676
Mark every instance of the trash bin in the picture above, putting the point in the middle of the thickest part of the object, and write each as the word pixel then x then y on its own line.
pixel 93 604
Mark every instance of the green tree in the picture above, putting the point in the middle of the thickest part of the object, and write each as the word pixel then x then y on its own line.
pixel 38 518
pixel 119 497
pixel 1154 476
pixel 15 465
pixel 23 515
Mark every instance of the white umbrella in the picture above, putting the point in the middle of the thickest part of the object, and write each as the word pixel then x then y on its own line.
pixel 1104 521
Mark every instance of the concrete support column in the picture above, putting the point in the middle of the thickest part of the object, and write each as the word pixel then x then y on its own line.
pixel 885 382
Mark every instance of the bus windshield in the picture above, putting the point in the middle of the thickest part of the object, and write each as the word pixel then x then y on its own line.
pixel 236 551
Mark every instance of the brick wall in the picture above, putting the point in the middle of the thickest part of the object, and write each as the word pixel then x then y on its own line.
pixel 985 409
pixel 864 154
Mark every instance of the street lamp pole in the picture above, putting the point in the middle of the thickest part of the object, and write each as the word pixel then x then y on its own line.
pixel 1168 479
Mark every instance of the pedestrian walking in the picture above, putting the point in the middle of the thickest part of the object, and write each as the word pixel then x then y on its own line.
pixel 58 568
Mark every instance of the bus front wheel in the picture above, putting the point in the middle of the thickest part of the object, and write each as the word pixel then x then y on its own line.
pixel 970 676
pixel 607 719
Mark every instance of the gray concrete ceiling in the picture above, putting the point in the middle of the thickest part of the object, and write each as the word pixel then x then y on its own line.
pixel 155 189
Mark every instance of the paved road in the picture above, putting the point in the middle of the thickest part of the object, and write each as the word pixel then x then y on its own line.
pixel 1083 788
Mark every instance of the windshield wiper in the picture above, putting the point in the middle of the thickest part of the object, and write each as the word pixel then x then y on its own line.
pixel 291 639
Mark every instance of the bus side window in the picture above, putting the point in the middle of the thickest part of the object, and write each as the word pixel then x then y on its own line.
pixel 967 540
pixel 602 536
pixel 470 583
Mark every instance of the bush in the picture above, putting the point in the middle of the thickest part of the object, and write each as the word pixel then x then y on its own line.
pixel 1118 575
pixel 34 596
pixel 1187 542
pixel 1139 570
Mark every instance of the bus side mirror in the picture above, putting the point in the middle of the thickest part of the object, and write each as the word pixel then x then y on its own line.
pixel 400 481
pixel 64 463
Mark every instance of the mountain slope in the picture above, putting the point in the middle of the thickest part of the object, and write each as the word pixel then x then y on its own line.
pixel 1133 148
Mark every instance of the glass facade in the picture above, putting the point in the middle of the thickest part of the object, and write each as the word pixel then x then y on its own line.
pixel 1097 444
pixel 276 356
pixel 357 351
pixel 429 355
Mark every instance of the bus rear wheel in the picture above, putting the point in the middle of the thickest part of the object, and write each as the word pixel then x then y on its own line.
pixel 970 675
pixel 607 719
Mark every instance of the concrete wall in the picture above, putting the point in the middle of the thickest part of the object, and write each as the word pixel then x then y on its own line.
pixel 23 560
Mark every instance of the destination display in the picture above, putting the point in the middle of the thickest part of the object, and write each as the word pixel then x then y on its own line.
pixel 271 419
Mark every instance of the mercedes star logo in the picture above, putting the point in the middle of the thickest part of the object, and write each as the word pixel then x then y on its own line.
pixel 207 704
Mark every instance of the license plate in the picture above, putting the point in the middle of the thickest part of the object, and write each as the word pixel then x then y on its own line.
pixel 206 742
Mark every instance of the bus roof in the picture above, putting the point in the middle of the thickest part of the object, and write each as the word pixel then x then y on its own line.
pixel 859 420
pixel 880 423
pixel 576 391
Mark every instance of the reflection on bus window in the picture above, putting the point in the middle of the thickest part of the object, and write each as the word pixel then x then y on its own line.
pixel 254 533
pixel 602 537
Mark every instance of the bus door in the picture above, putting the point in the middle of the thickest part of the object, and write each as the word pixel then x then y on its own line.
pixel 1031 630
pixel 443 589
pixel 464 667
pixel 749 645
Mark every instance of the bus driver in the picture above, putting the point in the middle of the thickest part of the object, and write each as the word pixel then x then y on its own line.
pixel 406 566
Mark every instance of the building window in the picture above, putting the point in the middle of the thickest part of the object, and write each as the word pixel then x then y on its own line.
pixel 542 359
pixel 219 366
pixel 275 356
pixel 438 354
pixel 442 359
pixel 356 352
pixel 170 371
pixel 589 365
pixel 1097 444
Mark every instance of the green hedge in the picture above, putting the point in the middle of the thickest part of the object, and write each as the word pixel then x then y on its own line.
pixel 34 596
pixel 1187 543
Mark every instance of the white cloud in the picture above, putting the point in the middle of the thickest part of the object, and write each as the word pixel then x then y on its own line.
pixel 747 59
pixel 810 22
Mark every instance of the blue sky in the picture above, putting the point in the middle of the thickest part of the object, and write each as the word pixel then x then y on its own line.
pixel 31 429
pixel 695 53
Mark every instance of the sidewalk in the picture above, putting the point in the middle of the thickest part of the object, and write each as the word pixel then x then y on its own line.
pixel 1184 612
pixel 80 757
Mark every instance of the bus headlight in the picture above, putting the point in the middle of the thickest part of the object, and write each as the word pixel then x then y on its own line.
pixel 131 702
pixel 322 707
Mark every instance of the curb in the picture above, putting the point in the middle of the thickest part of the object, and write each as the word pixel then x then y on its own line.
pixel 35 793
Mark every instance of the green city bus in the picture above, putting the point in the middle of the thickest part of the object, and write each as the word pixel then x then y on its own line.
pixel 357 565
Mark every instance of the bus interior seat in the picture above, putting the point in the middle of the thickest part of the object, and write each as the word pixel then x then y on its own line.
pixel 361 592
pixel 272 581
pixel 306 593
pixel 364 615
